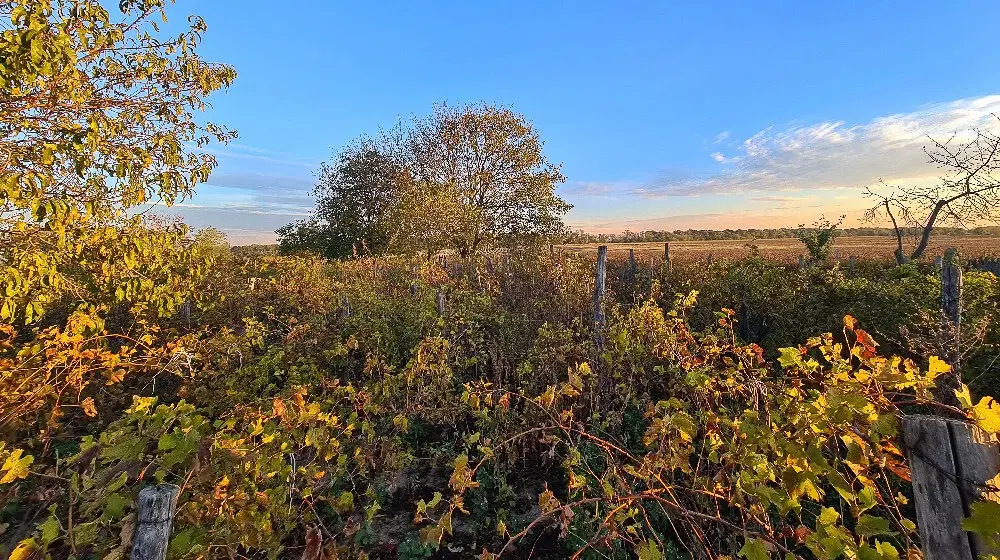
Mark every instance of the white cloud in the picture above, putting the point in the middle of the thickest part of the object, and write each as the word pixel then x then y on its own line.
pixel 721 137
pixel 836 155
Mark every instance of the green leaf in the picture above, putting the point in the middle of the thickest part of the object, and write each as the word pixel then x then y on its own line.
pixel 649 551
pixel 754 549
pixel 828 517
pixel 985 519
pixel 870 525
pixel 50 529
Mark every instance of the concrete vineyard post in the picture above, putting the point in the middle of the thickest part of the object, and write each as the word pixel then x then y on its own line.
pixel 666 257
pixel 154 517
pixel 602 262
pixel 952 465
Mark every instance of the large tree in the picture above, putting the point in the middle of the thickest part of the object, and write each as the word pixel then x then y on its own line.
pixel 967 193
pixel 462 178
pixel 479 178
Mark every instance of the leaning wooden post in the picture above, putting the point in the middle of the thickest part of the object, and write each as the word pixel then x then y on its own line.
pixel 951 301
pixel 666 257
pixel 154 516
pixel 952 465
pixel 602 263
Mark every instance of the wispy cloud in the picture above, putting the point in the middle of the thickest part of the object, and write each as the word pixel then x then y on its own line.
pixel 835 154
pixel 241 152
pixel 721 137
pixel 596 188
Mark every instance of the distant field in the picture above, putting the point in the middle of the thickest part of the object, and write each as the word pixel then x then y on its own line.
pixel 788 250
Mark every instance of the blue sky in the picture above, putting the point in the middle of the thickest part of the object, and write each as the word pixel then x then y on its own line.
pixel 664 115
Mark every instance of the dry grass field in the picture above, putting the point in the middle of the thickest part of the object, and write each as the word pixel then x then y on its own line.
pixel 788 250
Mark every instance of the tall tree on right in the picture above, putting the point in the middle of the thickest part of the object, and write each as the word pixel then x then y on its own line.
pixel 967 194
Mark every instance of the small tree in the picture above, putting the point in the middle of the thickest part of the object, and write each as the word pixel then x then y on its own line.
pixel 819 238
pixel 357 199
pixel 967 193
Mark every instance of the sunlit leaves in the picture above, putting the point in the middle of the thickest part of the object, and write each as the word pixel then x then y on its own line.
pixel 97 110
pixel 15 464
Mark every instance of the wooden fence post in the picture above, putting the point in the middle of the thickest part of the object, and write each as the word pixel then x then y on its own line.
pixel 709 259
pixel 440 303
pixel 802 262
pixel 631 263
pixel 951 300
pixel 666 257
pixel 602 263
pixel 952 464
pixel 851 262
pixel 154 516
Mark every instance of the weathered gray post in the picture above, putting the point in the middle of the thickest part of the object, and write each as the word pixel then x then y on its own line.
pixel 154 516
pixel 951 298
pixel 602 263
pixel 952 464
pixel 802 262
pixel 709 259
pixel 440 303
pixel 186 312
pixel 666 257
pixel 938 261
pixel 851 262
pixel 631 263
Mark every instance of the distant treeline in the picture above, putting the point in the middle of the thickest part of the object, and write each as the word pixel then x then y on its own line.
pixel 729 234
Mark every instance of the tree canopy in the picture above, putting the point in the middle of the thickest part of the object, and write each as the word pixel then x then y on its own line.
pixel 461 178
pixel 357 195
pixel 97 115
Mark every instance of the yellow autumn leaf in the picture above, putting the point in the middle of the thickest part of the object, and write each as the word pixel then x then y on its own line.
pixel 25 550
pixel 937 366
pixel 16 466
pixel 987 415
pixel 89 408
